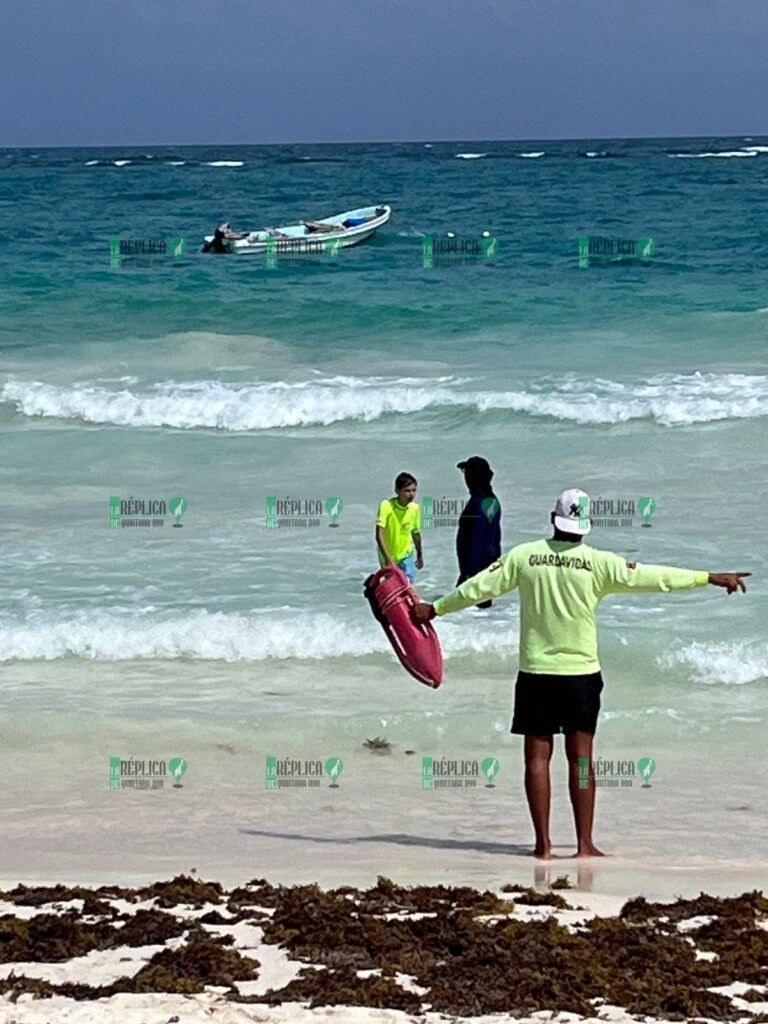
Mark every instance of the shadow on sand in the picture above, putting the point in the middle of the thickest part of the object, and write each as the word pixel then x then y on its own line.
pixel 402 839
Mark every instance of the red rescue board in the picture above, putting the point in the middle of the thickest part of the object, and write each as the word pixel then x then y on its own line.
pixel 417 646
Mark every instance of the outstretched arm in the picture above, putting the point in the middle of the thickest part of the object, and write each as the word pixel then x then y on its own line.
pixel 618 576
pixel 732 581
pixel 500 578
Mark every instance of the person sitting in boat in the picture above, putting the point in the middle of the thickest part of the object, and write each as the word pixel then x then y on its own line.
pixel 317 226
pixel 222 236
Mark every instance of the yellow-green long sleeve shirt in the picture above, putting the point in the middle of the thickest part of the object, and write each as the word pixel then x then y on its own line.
pixel 561 583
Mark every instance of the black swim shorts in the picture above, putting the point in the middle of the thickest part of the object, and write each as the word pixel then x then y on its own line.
pixel 546 704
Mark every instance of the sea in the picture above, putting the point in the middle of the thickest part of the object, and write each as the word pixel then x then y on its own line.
pixel 194 447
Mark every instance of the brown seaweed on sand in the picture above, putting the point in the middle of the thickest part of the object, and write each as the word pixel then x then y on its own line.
pixel 533 898
pixel 51 938
pixel 471 966
pixel 470 950
pixel 204 961
pixel 151 928
pixel 342 986
pixel 190 968
pixel 379 745
pixel 37 895
pixel 182 890
pixel 54 938
pixel 256 893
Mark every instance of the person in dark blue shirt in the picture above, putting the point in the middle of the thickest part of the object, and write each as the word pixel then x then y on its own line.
pixel 478 541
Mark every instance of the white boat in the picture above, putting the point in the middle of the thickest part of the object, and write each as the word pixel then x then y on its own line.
pixel 340 230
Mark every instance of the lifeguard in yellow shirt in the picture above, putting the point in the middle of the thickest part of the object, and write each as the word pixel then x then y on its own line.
pixel 561 582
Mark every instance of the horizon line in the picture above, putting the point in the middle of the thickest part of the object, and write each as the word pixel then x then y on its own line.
pixel 392 142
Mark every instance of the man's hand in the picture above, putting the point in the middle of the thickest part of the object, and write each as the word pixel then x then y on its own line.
pixel 732 581
pixel 419 562
pixel 423 612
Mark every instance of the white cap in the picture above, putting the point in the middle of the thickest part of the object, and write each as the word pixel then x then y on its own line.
pixel 572 512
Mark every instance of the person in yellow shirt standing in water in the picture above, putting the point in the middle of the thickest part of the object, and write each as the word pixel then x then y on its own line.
pixel 398 528
pixel 561 582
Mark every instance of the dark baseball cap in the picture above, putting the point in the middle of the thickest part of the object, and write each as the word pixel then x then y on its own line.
pixel 476 463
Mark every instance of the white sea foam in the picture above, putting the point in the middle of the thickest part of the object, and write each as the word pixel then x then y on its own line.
pixel 731 663
pixel 470 156
pixel 91 163
pixel 669 400
pixel 225 163
pixel 696 156
pixel 532 155
pixel 228 407
pixel 117 635
pixel 121 163
pixel 672 713
pixel 176 163
pixel 756 149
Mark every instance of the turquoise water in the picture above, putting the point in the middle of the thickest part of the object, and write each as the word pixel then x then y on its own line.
pixel 226 381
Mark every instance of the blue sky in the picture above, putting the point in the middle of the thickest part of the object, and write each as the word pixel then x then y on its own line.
pixel 140 72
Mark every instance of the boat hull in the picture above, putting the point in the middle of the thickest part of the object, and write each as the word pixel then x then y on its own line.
pixel 296 239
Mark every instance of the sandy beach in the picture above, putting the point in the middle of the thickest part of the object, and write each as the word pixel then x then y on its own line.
pixel 188 950
pixel 223 798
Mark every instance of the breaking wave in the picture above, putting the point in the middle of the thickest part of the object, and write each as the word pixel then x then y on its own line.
pixel 114 635
pixel 670 400
pixel 731 663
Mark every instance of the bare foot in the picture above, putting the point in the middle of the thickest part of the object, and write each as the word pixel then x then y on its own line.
pixel 543 852
pixel 588 850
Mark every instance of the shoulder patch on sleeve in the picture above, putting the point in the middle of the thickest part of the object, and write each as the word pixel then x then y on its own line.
pixel 631 565
pixel 494 567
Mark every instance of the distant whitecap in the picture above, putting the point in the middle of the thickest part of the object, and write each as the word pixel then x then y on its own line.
pixel 697 156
